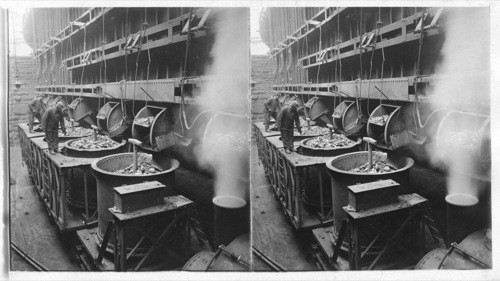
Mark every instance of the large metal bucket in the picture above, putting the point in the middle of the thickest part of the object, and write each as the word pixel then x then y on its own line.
pixel 104 171
pixel 111 119
pixel 341 178
pixel 346 118
pixel 236 156
pixel 392 133
pixel 475 146
pixel 157 134
pixel 316 109
pixel 76 193
pixel 81 111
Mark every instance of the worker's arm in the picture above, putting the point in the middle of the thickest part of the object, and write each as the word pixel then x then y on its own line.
pixel 279 118
pixel 61 122
pixel 45 116
pixel 31 106
pixel 267 103
pixel 297 123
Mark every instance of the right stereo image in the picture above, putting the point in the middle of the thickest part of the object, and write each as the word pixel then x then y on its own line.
pixel 371 146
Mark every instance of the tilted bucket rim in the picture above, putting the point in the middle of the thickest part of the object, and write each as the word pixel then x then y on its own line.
pixel 67 145
pixel 473 200
pixel 302 143
pixel 174 162
pixel 409 164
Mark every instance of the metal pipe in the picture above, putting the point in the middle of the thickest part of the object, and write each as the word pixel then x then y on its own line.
pixel 470 256
pixel 234 257
pixel 266 259
pixel 135 143
pixel 38 266
pixel 94 127
pixel 369 141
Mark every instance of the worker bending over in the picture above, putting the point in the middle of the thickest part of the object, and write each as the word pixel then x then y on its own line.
pixel 50 122
pixel 35 109
pixel 286 117
pixel 271 108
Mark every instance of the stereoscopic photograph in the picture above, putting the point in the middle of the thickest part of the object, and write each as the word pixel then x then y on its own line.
pixel 250 139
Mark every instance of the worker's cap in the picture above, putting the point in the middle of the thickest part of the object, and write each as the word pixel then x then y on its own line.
pixel 294 104
pixel 60 105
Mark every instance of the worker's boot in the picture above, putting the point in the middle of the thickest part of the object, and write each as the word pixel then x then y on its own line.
pixel 287 151
pixel 51 152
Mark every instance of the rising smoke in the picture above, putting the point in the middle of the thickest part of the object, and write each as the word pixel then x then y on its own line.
pixel 464 87
pixel 225 146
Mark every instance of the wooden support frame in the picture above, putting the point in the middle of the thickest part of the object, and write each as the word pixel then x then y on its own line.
pixel 123 222
pixel 414 204
pixel 288 175
pixel 52 174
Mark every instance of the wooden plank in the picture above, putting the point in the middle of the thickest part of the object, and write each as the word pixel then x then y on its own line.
pixel 261 127
pixel 171 203
pixel 405 201
pixel 87 237
pixel 25 128
pixel 324 241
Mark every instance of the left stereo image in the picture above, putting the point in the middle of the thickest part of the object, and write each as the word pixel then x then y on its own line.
pixel 129 139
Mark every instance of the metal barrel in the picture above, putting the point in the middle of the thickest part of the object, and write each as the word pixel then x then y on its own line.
pixel 107 179
pixel 221 261
pixel 76 192
pixel 338 169
pixel 474 252
pixel 461 216
pixel 231 218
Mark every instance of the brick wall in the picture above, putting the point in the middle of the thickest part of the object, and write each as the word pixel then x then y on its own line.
pixel 262 76
pixel 19 98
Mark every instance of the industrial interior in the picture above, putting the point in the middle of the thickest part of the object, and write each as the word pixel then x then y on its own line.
pixel 154 164
pixel 150 167
pixel 391 164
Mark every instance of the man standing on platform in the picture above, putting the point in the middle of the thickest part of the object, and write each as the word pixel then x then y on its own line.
pixel 286 117
pixel 50 122
pixel 271 107
pixel 35 109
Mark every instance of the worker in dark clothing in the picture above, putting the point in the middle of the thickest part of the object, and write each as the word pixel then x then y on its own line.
pixel 35 109
pixel 286 117
pixel 271 108
pixel 50 123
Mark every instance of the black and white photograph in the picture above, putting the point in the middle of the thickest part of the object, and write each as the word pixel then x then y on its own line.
pixel 371 147
pixel 249 140
pixel 122 155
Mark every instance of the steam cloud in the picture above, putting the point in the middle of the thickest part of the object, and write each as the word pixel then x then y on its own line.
pixel 227 94
pixel 464 87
